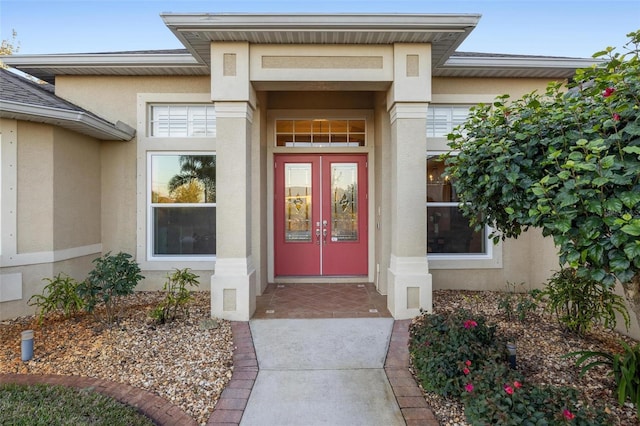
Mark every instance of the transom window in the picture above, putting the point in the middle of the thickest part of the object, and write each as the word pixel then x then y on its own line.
pixel 441 120
pixel 448 231
pixel 182 207
pixel 182 120
pixel 320 133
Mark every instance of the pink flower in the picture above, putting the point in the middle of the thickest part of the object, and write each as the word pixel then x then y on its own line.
pixel 608 92
pixel 508 389
pixel 466 370
pixel 517 384
pixel 469 387
pixel 427 343
pixel 616 117
pixel 470 324
pixel 467 363
pixel 568 414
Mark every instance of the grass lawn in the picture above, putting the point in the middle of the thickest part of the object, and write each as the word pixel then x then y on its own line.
pixel 60 405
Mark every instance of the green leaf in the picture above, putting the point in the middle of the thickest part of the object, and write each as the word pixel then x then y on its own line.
pixel 613 205
pixel 632 149
pixel 608 161
pixel 509 210
pixel 630 198
pixel 632 228
pixel 600 181
pixel 632 250
pixel 632 129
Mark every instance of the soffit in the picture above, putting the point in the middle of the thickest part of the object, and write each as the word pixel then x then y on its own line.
pixel 445 32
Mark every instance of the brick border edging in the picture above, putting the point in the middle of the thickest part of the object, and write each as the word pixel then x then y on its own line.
pixel 230 407
pixel 158 409
pixel 413 406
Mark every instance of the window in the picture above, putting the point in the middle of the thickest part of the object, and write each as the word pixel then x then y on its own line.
pixel 441 120
pixel 320 133
pixel 448 232
pixel 182 207
pixel 176 120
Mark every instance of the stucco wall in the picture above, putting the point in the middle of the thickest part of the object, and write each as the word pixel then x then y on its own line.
pixel 515 87
pixel 76 190
pixel 35 191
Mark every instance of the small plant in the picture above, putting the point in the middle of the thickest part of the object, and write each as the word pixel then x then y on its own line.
pixel 579 302
pixel 177 297
pixel 625 368
pixel 113 277
pixel 60 294
pixel 514 303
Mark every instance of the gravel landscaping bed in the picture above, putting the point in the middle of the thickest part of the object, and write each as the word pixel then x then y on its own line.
pixel 541 343
pixel 188 362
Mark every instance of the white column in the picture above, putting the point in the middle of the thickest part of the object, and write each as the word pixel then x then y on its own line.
pixel 233 286
pixel 409 280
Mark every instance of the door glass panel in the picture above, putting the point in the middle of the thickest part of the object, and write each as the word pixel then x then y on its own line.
pixel 297 206
pixel 344 202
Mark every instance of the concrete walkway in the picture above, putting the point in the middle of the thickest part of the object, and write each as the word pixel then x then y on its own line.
pixel 234 401
pixel 322 372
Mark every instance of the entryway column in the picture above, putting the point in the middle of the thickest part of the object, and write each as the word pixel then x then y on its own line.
pixel 233 287
pixel 409 280
pixel 233 282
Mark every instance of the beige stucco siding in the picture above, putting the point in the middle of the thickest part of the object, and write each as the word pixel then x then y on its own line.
pixel 35 219
pixel 76 189
pixel 114 98
pixel 515 87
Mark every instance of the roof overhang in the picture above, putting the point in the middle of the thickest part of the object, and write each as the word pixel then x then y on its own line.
pixel 445 32
pixel 46 67
pixel 76 121
pixel 492 65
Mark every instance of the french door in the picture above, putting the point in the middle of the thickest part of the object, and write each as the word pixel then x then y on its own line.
pixel 320 215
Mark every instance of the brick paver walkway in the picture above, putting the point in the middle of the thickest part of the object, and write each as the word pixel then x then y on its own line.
pixel 232 402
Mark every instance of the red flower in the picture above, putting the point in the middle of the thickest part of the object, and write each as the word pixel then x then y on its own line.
pixel 466 370
pixel 517 384
pixel 469 387
pixel 467 363
pixel 616 117
pixel 568 414
pixel 608 92
pixel 470 324
pixel 508 389
pixel 427 343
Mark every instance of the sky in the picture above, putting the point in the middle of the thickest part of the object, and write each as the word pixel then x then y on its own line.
pixel 573 28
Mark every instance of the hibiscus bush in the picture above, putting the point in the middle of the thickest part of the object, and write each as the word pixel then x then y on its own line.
pixel 460 355
pixel 496 394
pixel 445 347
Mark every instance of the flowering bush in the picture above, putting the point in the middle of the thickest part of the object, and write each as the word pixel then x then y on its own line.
pixel 444 348
pixel 459 354
pixel 495 394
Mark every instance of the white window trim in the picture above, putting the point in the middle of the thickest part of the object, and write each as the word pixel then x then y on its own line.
pixel 490 260
pixel 147 144
pixel 150 122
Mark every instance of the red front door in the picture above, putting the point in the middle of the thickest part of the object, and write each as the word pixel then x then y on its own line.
pixel 320 215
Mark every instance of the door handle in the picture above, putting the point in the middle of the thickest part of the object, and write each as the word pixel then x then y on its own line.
pixel 324 236
pixel 318 236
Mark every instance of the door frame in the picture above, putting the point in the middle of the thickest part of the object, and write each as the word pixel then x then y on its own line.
pixel 368 150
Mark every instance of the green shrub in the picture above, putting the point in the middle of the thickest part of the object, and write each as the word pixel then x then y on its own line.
pixel 114 276
pixel 60 294
pixel 624 366
pixel 579 302
pixel 177 297
pixel 495 394
pixel 442 345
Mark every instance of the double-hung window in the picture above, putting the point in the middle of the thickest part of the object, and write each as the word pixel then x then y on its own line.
pixel 182 205
pixel 448 231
